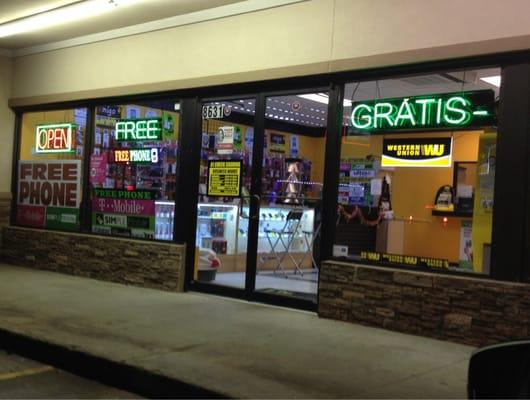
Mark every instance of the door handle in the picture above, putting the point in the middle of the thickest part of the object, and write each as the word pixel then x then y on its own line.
pixel 257 200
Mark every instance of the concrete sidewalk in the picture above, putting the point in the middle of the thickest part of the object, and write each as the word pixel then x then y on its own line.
pixel 233 348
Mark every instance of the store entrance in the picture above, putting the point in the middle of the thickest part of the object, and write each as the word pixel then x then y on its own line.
pixel 259 202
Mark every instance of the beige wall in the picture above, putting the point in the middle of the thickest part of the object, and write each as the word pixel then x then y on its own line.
pixel 302 38
pixel 7 125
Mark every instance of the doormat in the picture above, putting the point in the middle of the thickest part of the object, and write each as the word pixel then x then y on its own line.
pixel 289 293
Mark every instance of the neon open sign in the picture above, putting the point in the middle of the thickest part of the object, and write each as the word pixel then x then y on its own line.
pixel 440 111
pixel 138 129
pixel 54 138
pixel 136 156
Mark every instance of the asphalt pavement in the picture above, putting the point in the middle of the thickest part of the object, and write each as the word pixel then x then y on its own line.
pixel 21 378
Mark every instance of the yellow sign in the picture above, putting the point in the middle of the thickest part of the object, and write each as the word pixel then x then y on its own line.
pixel 224 178
pixel 417 152
pixel 398 259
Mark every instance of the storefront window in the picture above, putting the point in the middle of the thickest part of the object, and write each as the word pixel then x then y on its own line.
pixel 49 191
pixel 133 169
pixel 417 171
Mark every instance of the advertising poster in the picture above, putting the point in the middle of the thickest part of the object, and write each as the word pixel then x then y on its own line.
pixel 98 169
pixel 168 126
pixel 294 146
pixel 123 213
pixel 466 245
pixel 238 139
pixel 225 140
pixel 49 194
pixel 277 143
pixel 249 139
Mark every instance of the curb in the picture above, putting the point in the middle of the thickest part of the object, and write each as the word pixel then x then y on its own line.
pixel 122 376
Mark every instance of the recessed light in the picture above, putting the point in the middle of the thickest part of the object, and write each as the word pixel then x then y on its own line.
pixel 494 80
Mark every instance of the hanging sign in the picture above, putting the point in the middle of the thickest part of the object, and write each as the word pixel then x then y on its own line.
pixel 460 110
pixel 54 138
pixel 397 259
pixel 224 178
pixel 137 156
pixel 421 152
pixel 138 129
pixel 49 194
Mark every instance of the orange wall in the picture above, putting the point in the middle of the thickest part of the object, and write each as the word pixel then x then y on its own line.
pixel 413 191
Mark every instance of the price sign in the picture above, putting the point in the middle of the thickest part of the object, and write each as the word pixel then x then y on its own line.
pixel 224 178
pixel 216 111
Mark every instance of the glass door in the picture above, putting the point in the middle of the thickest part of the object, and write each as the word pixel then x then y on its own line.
pixel 224 192
pixel 287 259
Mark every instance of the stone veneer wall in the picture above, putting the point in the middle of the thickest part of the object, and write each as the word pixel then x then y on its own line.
pixel 467 310
pixel 133 262
pixel 5 207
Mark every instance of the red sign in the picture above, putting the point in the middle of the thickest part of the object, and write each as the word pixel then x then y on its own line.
pixel 31 215
pixel 54 138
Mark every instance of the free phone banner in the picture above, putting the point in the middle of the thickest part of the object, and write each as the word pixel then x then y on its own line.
pixel 420 152
pixel 49 194
pixel 224 178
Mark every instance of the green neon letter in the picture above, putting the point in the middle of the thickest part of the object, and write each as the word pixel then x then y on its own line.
pixel 461 115
pixel 153 129
pixel 425 110
pixel 405 113
pixel 439 112
pixel 383 115
pixel 128 129
pixel 357 116
pixel 141 130
pixel 119 132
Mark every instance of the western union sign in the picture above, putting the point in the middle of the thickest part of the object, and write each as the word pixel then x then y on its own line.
pixel 421 152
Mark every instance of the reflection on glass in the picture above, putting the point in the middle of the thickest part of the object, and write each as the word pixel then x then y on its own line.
pixel 133 169
pixel 421 194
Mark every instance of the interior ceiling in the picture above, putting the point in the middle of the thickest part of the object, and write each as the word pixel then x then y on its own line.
pixel 140 11
pixel 301 111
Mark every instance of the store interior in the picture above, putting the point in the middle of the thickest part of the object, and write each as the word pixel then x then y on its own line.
pixel 391 210
pixel 414 225
pixel 287 259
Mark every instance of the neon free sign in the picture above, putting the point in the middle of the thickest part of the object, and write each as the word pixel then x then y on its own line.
pixel 441 111
pixel 54 138
pixel 138 129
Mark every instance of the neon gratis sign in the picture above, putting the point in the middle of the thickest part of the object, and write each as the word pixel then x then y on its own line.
pixel 447 110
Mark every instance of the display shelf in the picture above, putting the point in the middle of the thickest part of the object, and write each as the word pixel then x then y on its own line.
pixel 232 227
pixel 456 213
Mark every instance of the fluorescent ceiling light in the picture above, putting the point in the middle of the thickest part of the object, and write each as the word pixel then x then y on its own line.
pixel 61 15
pixel 321 98
pixel 494 80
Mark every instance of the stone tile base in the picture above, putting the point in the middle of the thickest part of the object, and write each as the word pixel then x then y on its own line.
pixel 461 309
pixel 133 262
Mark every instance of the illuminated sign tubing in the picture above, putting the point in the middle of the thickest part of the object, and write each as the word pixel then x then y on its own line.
pixel 54 138
pixel 138 129
pixel 451 110
pixel 136 156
